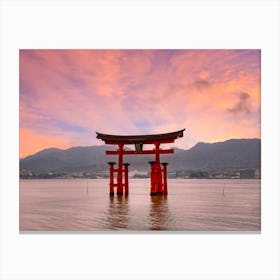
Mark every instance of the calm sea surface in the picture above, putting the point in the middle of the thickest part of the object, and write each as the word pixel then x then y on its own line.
pixel 85 205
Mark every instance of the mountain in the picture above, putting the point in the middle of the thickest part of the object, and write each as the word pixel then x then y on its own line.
pixel 70 160
pixel 234 153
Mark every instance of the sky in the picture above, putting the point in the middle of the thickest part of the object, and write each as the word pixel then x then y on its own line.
pixel 68 95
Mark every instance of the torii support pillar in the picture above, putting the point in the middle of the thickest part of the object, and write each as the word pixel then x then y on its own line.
pixel 164 171
pixel 156 179
pixel 111 167
pixel 126 178
pixel 120 171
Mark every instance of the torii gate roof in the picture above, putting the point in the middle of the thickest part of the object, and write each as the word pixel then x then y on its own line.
pixel 143 139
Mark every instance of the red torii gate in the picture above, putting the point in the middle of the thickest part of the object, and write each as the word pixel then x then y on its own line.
pixel 158 174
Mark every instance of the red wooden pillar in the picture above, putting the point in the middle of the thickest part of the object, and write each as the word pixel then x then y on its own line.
pixel 157 152
pixel 158 178
pixel 111 164
pixel 158 175
pixel 165 190
pixel 153 178
pixel 156 181
pixel 126 178
pixel 120 171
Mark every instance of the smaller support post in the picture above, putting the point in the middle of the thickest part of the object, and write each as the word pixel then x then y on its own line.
pixel 126 178
pixel 165 190
pixel 111 164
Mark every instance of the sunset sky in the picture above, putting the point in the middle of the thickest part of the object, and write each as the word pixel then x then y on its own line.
pixel 67 95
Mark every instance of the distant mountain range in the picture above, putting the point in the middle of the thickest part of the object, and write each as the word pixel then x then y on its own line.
pixel 234 153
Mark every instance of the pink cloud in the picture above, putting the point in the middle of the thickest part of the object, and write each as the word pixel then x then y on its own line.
pixel 70 94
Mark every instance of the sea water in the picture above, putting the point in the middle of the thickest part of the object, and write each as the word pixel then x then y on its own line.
pixel 191 205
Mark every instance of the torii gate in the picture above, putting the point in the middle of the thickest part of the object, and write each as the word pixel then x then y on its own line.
pixel 158 174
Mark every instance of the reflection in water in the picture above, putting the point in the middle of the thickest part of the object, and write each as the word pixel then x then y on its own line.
pixel 159 212
pixel 64 204
pixel 118 212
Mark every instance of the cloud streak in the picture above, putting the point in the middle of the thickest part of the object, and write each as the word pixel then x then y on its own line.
pixel 201 85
